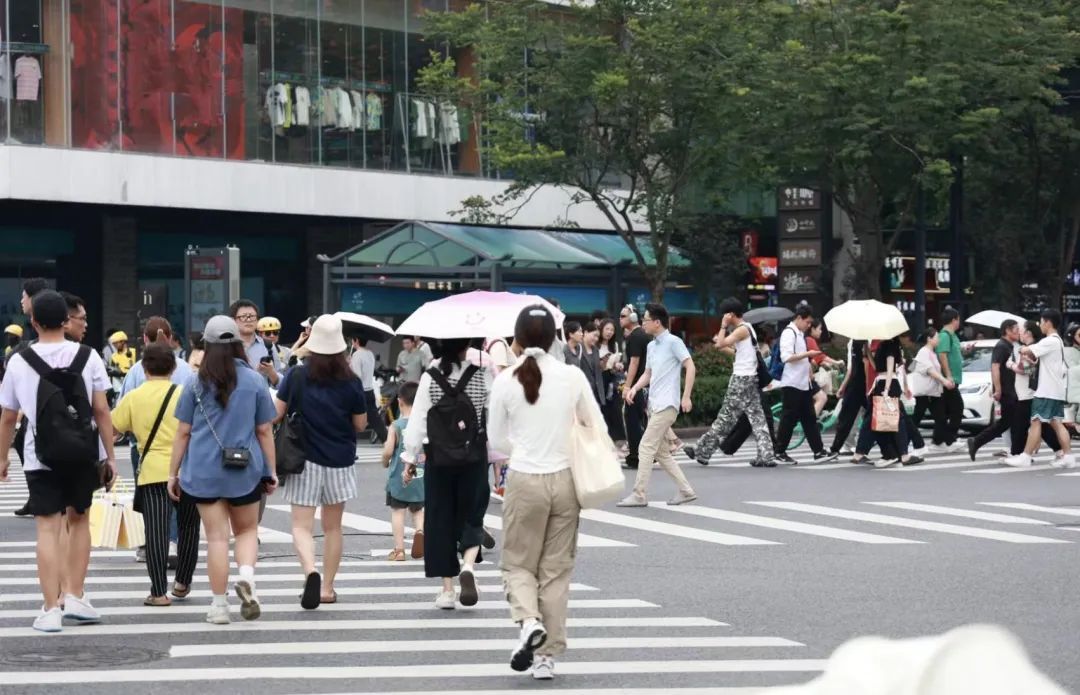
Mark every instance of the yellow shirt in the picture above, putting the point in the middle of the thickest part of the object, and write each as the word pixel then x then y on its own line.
pixel 136 413
pixel 124 360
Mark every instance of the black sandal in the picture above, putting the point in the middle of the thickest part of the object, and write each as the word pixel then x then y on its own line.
pixel 312 590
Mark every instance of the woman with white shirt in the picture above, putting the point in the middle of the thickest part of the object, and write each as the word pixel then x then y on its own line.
pixel 456 493
pixel 927 381
pixel 530 419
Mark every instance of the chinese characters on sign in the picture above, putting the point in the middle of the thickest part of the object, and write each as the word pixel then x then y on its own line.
pixel 212 283
pixel 800 225
pixel 800 229
pixel 900 272
pixel 800 253
pixel 798 281
pixel 798 198
pixel 764 272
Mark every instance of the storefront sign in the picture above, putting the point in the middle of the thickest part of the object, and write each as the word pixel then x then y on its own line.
pixel 900 271
pixel 798 281
pixel 386 301
pixel 800 253
pixel 748 238
pixel 764 271
pixel 212 283
pixel 798 198
pixel 1071 303
pixel 573 301
pixel 678 301
pixel 799 225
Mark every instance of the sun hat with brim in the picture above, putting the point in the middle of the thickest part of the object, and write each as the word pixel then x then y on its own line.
pixel 326 336
pixel 15 330
pixel 221 330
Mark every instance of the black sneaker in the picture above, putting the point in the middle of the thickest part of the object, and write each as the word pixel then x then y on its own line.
pixel 913 461
pixel 489 540
pixel 691 453
pixel 782 457
pixel 826 456
pixel 23 511
pixel 971 448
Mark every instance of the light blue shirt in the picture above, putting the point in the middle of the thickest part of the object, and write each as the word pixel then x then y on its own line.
pixel 257 350
pixel 664 359
pixel 202 473
pixel 136 377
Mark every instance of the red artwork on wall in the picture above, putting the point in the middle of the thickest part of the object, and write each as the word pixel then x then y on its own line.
pixel 163 62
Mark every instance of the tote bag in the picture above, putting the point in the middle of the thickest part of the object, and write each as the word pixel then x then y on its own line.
pixel 886 414
pixel 594 464
pixel 114 524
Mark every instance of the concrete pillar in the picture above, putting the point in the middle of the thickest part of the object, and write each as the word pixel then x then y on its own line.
pixel 119 275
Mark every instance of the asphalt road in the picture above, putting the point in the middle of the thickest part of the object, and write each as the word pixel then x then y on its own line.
pixel 754 585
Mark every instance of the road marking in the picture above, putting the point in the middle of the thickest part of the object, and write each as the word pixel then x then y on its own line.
pixel 426 646
pixel 299 626
pixel 1066 475
pixel 966 513
pixel 584 539
pixel 182 608
pixel 832 466
pixel 262 579
pixel 938 466
pixel 1010 469
pixel 1023 506
pixel 753 690
pixel 782 524
pixel 684 532
pixel 412 671
pixel 291 592
pixel 953 529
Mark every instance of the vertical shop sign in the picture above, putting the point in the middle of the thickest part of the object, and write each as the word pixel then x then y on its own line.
pixel 211 283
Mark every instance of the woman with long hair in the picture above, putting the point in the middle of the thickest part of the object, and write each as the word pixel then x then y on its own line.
pixel 613 375
pixel 223 461
pixel 333 408
pixel 456 486
pixel 533 408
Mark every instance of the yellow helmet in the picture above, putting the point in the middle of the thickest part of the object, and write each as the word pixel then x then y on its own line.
pixel 118 337
pixel 15 330
pixel 268 323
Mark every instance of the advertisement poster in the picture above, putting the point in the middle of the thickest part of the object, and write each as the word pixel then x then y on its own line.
pixel 209 289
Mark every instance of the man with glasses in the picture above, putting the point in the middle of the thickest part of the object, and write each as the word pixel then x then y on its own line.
pixel 270 330
pixel 259 352
pixel 75 328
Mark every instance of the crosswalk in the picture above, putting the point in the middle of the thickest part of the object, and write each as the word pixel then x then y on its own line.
pixel 384 630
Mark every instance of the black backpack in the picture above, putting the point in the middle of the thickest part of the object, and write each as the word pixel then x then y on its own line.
pixel 455 434
pixel 64 434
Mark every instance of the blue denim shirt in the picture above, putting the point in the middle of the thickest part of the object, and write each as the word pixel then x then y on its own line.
pixel 664 359
pixel 202 473
pixel 136 377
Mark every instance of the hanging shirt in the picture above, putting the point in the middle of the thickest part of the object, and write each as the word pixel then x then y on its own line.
pixel 449 128
pixel 358 117
pixel 374 111
pixel 329 108
pixel 27 76
pixel 344 109
pixel 288 106
pixel 302 110
pixel 275 105
pixel 420 123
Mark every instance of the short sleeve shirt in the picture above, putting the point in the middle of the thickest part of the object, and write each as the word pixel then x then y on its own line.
pixel 363 365
pixel 411 364
pixel 19 389
pixel 885 350
pixel 1001 356
pixel 201 472
pixel 664 359
pixel 637 345
pixel 1052 368
pixel 949 344
pixel 327 410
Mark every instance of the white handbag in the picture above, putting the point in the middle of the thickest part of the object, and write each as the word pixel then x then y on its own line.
pixel 594 463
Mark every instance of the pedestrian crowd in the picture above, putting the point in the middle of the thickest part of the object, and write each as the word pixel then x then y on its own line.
pixel 214 435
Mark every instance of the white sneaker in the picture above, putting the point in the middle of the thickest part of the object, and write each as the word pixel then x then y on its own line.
pixel 218 615
pixel 249 602
pixel 886 463
pixel 956 447
pixel 921 453
pixel 544 669
pixel 1066 461
pixel 80 609
pixel 533 636
pixel 1018 461
pixel 50 620
pixel 937 449
pixel 446 600
pixel 633 500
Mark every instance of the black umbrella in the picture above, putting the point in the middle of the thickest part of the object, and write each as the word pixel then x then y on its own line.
pixel 768 313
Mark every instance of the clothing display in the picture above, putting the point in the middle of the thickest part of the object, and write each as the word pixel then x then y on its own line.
pixel 449 127
pixel 276 98
pixel 423 118
pixel 302 110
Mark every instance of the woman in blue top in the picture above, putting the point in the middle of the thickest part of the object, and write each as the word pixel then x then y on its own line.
pixel 333 409
pixel 223 460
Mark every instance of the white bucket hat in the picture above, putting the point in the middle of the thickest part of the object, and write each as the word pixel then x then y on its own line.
pixel 326 336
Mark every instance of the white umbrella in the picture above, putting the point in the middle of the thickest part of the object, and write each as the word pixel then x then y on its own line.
pixel 364 327
pixel 866 319
pixel 476 314
pixel 994 318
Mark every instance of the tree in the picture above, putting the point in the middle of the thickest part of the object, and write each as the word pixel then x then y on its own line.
pixel 624 102
pixel 871 99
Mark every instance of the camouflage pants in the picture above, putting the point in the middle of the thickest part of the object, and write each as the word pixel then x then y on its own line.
pixel 743 396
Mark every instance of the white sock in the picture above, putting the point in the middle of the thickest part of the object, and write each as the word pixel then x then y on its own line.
pixel 247 572
pixel 467 566
pixel 220 600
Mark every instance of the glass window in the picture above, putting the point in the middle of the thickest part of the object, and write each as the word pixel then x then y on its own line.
pixel 22 73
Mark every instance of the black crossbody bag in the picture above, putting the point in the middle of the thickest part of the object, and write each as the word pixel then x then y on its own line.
pixel 230 458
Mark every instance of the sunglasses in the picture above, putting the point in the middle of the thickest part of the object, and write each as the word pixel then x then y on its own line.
pixel 270 334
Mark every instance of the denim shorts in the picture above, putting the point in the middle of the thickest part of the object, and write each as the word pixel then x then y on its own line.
pixel 1047 409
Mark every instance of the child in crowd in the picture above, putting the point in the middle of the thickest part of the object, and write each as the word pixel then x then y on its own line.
pixel 404 486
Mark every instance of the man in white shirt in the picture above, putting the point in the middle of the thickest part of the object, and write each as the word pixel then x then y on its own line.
pixel 58 494
pixel 363 365
pixel 1048 405
pixel 798 404
pixel 666 357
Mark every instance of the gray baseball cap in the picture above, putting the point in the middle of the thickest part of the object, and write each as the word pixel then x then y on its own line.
pixel 221 330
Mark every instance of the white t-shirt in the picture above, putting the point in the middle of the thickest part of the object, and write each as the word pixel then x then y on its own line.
pixel 796 372
pixel 1052 368
pixel 363 365
pixel 27 76
pixel 19 389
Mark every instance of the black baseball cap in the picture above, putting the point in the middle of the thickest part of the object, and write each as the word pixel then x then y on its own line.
pixel 49 310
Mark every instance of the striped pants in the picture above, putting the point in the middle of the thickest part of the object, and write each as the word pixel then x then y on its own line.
pixel 156 510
